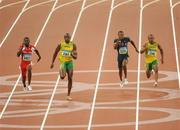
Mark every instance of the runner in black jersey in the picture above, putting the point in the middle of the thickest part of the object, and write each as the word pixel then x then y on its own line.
pixel 121 45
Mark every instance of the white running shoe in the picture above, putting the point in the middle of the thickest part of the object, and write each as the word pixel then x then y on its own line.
pixel 29 88
pixel 121 84
pixel 126 82
pixel 68 98
pixel 155 84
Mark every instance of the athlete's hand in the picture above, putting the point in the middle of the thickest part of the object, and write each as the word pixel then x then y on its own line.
pixel 52 65
pixel 162 61
pixel 39 59
pixel 137 50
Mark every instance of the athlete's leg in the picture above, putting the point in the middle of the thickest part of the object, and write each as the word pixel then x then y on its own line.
pixel 120 69
pixel 70 76
pixel 23 74
pixel 62 71
pixel 29 68
pixel 125 62
pixel 156 69
pixel 148 70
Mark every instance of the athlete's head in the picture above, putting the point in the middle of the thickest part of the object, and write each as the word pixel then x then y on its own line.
pixel 67 37
pixel 151 38
pixel 26 41
pixel 120 34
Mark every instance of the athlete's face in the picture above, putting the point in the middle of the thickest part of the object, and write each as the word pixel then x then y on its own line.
pixel 26 41
pixel 151 38
pixel 120 35
pixel 67 38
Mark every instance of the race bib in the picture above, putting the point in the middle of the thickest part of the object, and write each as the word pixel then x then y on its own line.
pixel 27 57
pixel 152 52
pixel 123 50
pixel 66 53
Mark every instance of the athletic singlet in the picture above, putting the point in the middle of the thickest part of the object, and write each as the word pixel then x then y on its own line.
pixel 123 45
pixel 151 52
pixel 65 51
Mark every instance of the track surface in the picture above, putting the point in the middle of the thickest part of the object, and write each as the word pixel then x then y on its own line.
pixel 115 107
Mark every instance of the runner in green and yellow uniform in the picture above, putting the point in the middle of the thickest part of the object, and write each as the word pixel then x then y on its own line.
pixel 151 58
pixel 67 53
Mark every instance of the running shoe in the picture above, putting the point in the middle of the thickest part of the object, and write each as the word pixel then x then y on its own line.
pixel 29 88
pixel 126 82
pixel 155 84
pixel 68 98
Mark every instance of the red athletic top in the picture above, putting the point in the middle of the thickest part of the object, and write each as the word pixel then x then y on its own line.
pixel 27 53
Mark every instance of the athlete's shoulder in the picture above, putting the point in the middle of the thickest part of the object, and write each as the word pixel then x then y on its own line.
pixel 115 40
pixel 127 39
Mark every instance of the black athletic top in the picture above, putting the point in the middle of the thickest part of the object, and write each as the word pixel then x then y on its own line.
pixel 122 48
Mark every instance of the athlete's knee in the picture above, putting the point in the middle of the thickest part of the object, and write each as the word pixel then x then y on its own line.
pixel 148 74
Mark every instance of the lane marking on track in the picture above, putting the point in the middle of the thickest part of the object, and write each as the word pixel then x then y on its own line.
pixel 10 96
pixel 101 61
pixel 45 2
pixel 11 4
pixel 54 90
pixel 174 36
pixel 13 25
pixel 142 7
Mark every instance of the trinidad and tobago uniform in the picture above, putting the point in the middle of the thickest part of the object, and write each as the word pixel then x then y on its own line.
pixel 26 58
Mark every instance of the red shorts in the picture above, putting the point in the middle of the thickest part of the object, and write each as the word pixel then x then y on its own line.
pixel 24 65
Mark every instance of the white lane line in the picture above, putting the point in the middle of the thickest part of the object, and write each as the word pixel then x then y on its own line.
pixel 102 59
pixel 119 4
pixel 9 98
pixel 15 3
pixel 57 82
pixel 72 2
pixel 95 3
pixel 45 2
pixel 142 7
pixel 100 66
pixel 14 23
pixel 174 36
pixel 46 22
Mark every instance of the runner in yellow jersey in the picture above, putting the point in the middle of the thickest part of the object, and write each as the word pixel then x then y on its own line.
pixel 151 57
pixel 67 53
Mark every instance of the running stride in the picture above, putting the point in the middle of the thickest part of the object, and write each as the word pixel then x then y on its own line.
pixel 67 52
pixel 151 58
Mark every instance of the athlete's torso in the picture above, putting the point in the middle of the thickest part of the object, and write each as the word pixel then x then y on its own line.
pixel 122 45
pixel 65 51
pixel 151 52
pixel 27 53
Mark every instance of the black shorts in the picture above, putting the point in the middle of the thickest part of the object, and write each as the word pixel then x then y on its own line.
pixel 121 58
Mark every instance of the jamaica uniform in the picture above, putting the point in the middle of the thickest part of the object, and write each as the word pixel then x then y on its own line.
pixel 122 50
pixel 151 57
pixel 66 60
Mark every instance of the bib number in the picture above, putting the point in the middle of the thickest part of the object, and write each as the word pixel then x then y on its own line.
pixel 27 57
pixel 66 53
pixel 123 50
pixel 152 52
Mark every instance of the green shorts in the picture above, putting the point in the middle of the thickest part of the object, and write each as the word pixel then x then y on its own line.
pixel 151 65
pixel 67 65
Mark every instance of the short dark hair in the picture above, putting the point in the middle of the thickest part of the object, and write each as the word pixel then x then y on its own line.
pixel 120 31
pixel 67 35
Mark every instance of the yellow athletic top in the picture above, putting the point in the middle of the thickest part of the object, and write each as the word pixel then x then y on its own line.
pixel 65 52
pixel 151 52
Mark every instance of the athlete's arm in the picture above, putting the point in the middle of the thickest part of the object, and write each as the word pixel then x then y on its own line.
pixel 55 55
pixel 133 44
pixel 38 54
pixel 74 52
pixel 115 45
pixel 143 49
pixel 19 52
pixel 162 53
